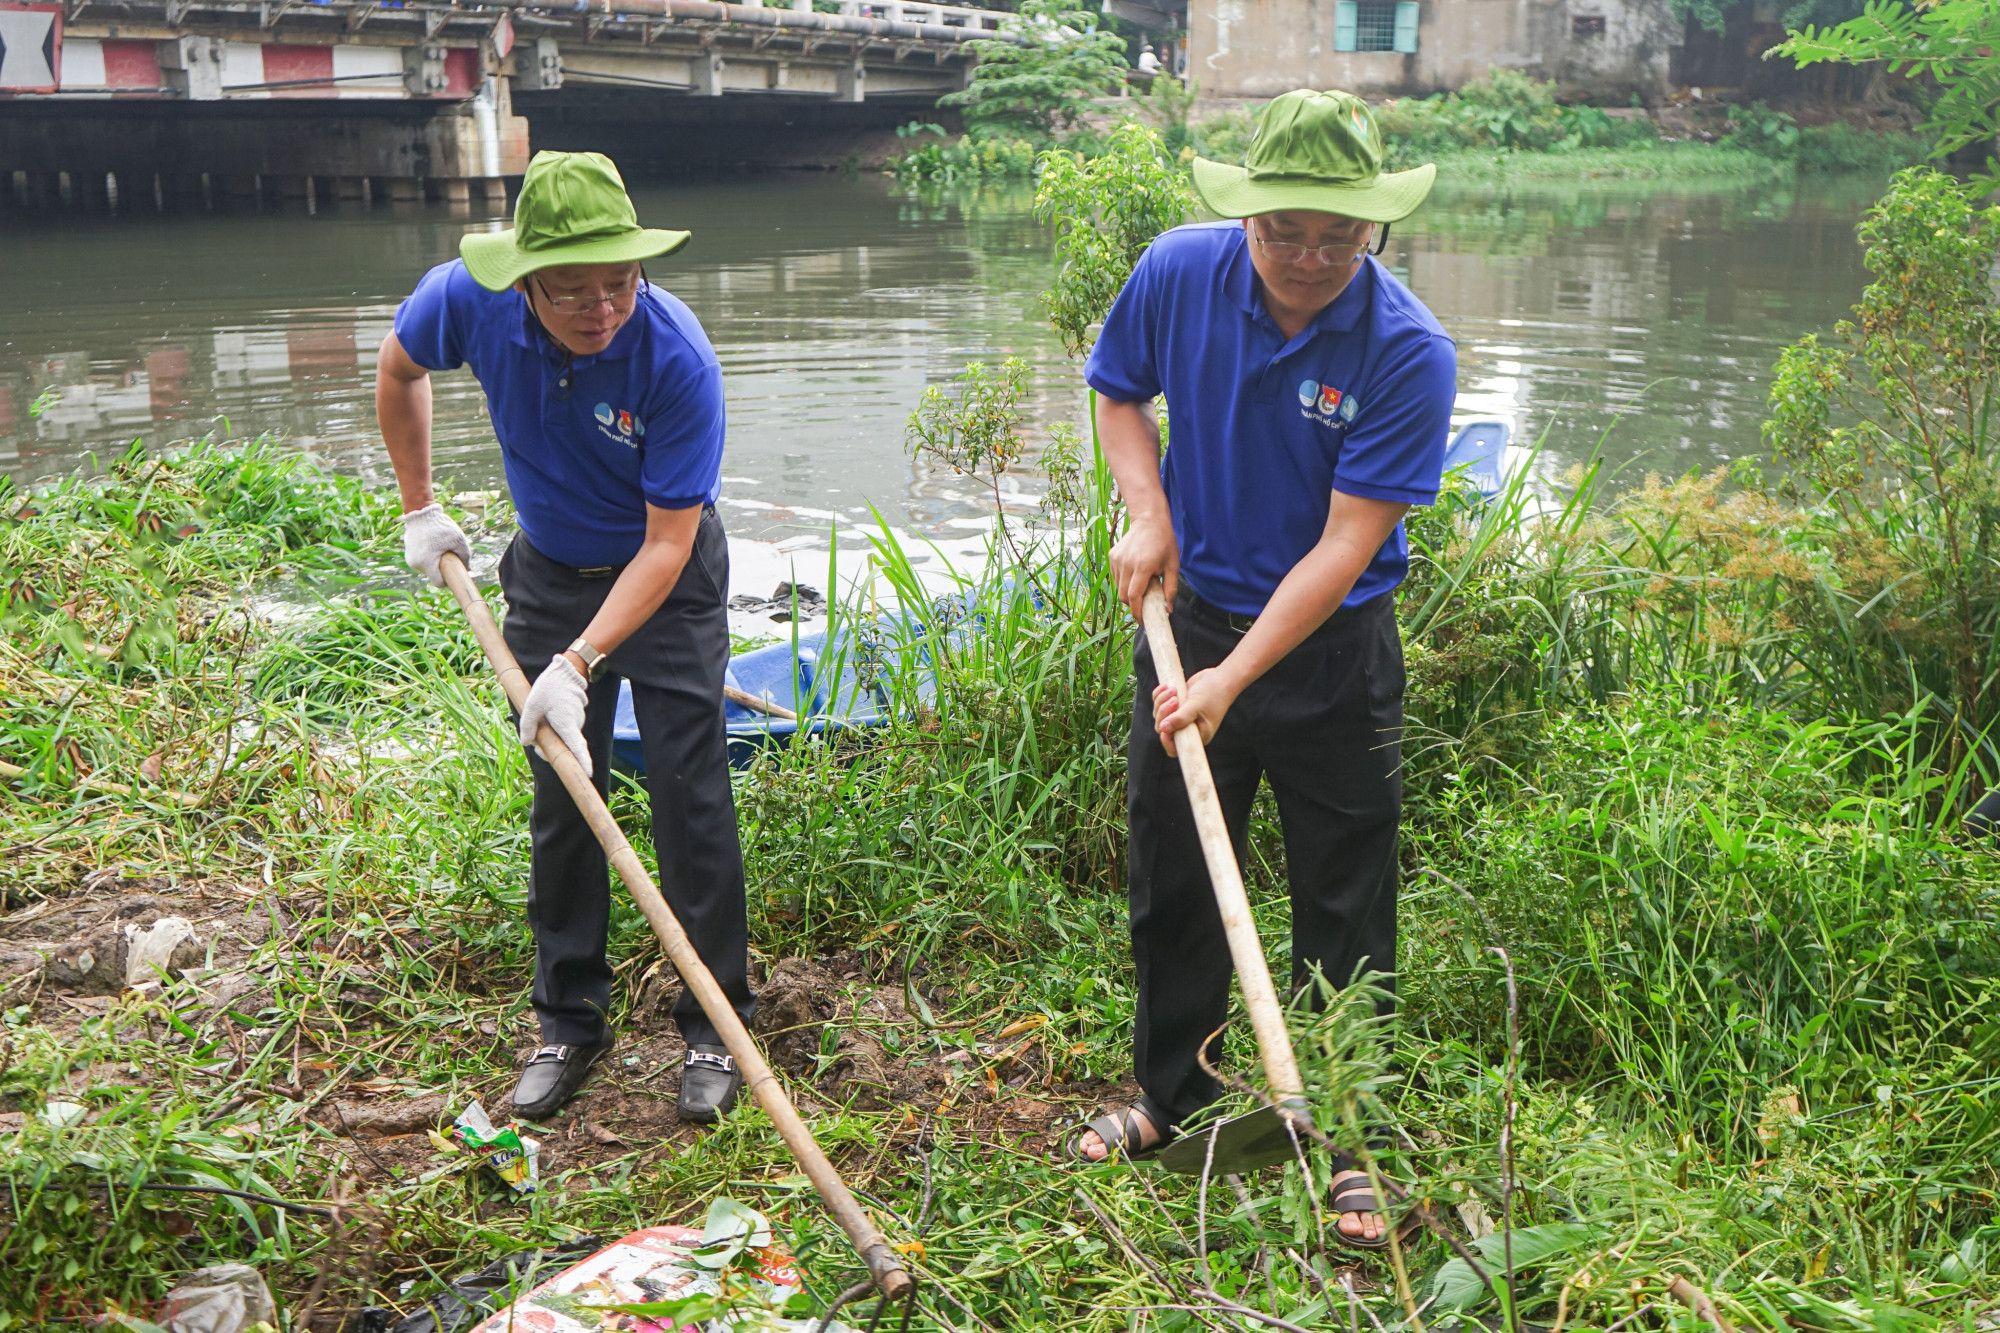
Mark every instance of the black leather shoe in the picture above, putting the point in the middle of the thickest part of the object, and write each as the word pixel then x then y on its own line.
pixel 710 1081
pixel 553 1075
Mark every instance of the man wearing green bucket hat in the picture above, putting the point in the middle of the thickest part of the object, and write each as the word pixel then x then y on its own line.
pixel 607 401
pixel 1311 394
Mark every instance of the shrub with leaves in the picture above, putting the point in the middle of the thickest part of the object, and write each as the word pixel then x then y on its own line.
pixel 1764 130
pixel 1037 89
pixel 1169 104
pixel 937 161
pixel 1951 44
pixel 1888 425
pixel 1223 137
pixel 1507 109
pixel 1106 211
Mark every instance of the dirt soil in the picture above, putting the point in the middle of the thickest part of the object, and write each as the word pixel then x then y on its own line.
pixel 822 1021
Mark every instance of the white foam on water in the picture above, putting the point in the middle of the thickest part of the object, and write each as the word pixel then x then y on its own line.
pixel 757 568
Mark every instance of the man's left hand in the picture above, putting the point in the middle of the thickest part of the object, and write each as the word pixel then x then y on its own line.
pixel 1201 703
pixel 560 698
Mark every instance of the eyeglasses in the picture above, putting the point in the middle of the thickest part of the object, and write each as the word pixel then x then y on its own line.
pixel 615 297
pixel 1333 256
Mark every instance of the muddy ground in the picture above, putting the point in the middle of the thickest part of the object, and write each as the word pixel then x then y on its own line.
pixel 822 1021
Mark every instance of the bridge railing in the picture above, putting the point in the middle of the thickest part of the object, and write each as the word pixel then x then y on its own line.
pixel 899 19
pixel 943 16
pixel 901 11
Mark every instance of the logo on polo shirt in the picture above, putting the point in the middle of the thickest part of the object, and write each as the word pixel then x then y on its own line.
pixel 1326 404
pixel 618 424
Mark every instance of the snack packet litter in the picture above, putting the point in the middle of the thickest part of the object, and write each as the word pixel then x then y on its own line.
pixel 663 1264
pixel 510 1153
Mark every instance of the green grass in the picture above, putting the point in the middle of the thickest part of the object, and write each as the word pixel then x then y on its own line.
pixel 1754 967
pixel 1657 161
pixel 1697 967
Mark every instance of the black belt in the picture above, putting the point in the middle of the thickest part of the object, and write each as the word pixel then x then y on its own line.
pixel 605 571
pixel 1192 603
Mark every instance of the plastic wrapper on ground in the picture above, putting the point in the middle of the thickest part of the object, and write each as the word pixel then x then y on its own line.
pixel 229 1298
pixel 656 1264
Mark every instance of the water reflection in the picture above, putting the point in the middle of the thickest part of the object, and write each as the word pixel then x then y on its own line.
pixel 1642 322
pixel 1647 319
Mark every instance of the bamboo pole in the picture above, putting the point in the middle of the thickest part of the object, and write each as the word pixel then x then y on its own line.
pixel 884 1267
pixel 91 782
pixel 1267 1018
pixel 757 705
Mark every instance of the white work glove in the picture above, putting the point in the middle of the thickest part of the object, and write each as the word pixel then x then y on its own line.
pixel 559 698
pixel 427 534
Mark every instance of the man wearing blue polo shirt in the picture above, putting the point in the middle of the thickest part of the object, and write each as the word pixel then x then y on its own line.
pixel 1311 394
pixel 607 401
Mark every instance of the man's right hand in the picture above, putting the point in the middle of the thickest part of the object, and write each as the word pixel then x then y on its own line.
pixel 429 533
pixel 1146 552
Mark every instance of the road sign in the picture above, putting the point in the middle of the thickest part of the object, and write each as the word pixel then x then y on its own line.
pixel 30 47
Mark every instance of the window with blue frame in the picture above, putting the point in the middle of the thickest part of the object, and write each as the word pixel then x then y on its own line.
pixel 1375 25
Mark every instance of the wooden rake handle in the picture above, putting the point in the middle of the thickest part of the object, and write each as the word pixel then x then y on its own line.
pixel 757 705
pixel 887 1271
pixel 1267 1017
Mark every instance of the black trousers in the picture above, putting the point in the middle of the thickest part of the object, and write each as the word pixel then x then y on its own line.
pixel 1325 725
pixel 675 662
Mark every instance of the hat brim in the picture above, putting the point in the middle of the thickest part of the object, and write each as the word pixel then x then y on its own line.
pixel 1392 196
pixel 497 263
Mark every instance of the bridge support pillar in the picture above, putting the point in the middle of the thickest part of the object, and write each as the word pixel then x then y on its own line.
pixel 350 187
pixel 404 189
pixel 706 66
pixel 452 189
pixel 853 82
pixel 493 190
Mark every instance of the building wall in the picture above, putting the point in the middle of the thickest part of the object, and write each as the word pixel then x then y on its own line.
pixel 1260 48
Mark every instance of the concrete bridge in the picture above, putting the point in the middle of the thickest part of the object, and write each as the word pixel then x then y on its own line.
pixel 149 101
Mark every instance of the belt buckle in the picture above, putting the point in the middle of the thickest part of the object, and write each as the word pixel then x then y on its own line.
pixel 596 572
pixel 1240 622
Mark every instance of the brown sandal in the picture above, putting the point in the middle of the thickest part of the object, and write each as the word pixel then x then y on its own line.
pixel 1116 1129
pixel 1357 1195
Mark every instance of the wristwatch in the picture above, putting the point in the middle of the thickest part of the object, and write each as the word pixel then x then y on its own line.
pixel 593 661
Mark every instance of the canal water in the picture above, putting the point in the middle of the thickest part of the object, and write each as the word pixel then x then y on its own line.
pixel 1640 321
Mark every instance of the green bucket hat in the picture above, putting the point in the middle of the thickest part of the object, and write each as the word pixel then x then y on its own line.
pixel 573 209
pixel 1317 151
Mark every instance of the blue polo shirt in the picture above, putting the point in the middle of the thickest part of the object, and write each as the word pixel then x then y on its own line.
pixel 1263 429
pixel 639 423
